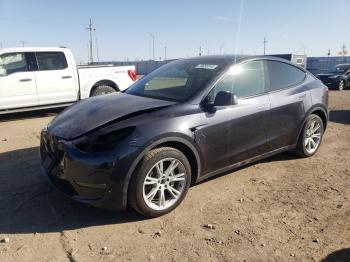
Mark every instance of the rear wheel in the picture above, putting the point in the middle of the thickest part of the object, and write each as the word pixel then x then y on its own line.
pixel 102 90
pixel 161 182
pixel 311 136
pixel 341 85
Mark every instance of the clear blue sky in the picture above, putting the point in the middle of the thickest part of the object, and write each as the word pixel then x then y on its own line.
pixel 180 25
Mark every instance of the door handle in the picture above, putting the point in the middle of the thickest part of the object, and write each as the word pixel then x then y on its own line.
pixel 66 77
pixel 25 80
pixel 262 106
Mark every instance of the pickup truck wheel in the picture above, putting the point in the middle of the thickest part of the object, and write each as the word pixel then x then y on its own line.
pixel 341 85
pixel 102 90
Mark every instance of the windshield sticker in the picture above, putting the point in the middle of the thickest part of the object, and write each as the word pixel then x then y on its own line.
pixel 205 66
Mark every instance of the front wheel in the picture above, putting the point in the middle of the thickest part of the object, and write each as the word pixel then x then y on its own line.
pixel 311 136
pixel 161 182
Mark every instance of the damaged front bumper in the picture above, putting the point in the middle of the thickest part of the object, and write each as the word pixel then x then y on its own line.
pixel 91 178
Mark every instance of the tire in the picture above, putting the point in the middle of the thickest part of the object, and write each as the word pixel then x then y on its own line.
pixel 102 90
pixel 145 192
pixel 307 149
pixel 342 85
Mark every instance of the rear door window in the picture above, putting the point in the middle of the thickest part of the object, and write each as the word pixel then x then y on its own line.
pixel 12 63
pixel 51 61
pixel 283 75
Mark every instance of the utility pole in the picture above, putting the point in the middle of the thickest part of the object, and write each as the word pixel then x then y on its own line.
pixel 265 42
pixel 88 53
pixel 90 29
pixel 221 47
pixel 22 43
pixel 200 51
pixel 97 51
pixel 343 51
pixel 153 39
pixel 164 53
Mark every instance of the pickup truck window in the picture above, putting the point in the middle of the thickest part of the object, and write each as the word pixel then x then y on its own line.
pixel 12 63
pixel 51 60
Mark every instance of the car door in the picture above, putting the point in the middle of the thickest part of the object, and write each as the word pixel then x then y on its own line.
pixel 290 98
pixel 238 132
pixel 54 78
pixel 17 81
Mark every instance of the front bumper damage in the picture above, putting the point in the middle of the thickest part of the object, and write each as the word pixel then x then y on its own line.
pixel 90 178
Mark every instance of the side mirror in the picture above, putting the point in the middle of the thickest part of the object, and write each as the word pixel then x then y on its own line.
pixel 225 98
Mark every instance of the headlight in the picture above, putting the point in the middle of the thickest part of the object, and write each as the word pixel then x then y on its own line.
pixel 102 140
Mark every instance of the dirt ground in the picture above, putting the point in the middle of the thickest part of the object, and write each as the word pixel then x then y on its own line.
pixel 280 209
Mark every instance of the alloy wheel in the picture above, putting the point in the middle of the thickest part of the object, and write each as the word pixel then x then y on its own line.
pixel 313 137
pixel 164 184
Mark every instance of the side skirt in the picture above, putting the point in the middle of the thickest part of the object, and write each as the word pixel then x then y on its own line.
pixel 25 109
pixel 246 162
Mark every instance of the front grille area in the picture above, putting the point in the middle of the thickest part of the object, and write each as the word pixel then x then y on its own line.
pixel 52 155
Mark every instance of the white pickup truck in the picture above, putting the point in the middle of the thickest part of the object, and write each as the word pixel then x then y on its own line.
pixel 36 78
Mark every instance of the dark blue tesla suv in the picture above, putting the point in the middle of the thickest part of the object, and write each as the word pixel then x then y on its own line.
pixel 185 122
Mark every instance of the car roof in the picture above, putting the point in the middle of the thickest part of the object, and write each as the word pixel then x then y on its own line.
pixel 236 58
pixel 343 65
pixel 31 49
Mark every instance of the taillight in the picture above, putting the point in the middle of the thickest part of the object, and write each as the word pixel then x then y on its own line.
pixel 132 74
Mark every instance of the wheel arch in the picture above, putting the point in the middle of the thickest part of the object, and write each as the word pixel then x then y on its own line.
pixel 179 143
pixel 322 113
pixel 318 110
pixel 104 82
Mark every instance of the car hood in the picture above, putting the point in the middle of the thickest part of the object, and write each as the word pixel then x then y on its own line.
pixel 92 113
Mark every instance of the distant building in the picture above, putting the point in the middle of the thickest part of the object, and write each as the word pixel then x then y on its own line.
pixel 300 60
pixel 318 65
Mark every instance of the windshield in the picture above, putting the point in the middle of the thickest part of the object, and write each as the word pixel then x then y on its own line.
pixel 178 81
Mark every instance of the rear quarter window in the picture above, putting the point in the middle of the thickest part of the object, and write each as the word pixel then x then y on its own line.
pixel 283 75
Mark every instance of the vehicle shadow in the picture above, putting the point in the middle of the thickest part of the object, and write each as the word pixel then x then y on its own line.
pixel 28 204
pixel 342 255
pixel 30 114
pixel 340 116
